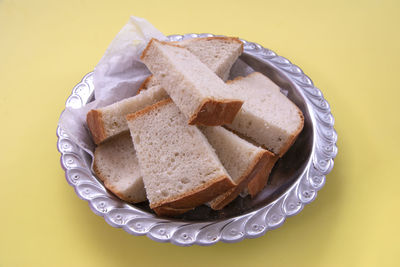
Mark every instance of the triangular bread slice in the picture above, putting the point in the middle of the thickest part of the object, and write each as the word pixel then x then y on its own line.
pixel 109 121
pixel 198 92
pixel 243 161
pixel 116 164
pixel 179 167
pixel 267 116
pixel 218 53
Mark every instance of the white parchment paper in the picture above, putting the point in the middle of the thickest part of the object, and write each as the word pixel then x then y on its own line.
pixel 118 75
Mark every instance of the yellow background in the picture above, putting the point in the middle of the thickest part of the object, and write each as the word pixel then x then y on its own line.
pixel 350 49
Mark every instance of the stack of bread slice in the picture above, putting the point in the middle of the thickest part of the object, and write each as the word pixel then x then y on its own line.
pixel 176 143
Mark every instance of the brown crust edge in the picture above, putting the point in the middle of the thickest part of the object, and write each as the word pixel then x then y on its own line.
pixel 146 82
pixel 194 198
pixel 133 116
pixel 197 196
pixel 230 38
pixel 238 78
pixel 146 49
pixel 153 40
pixel 259 181
pixel 170 212
pixel 210 112
pixel 94 120
pixel 258 165
pixel 144 85
pixel 215 112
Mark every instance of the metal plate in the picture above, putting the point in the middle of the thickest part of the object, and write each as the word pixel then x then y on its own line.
pixel 294 181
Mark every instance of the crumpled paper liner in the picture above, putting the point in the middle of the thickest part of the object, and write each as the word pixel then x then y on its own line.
pixel 118 75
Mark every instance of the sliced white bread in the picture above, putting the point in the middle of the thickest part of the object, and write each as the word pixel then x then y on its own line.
pixel 108 121
pixel 241 159
pixel 267 116
pixel 260 179
pixel 199 93
pixel 148 83
pixel 218 53
pixel 179 167
pixel 116 164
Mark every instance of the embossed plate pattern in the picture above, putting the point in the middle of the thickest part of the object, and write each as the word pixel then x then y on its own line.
pixel 251 223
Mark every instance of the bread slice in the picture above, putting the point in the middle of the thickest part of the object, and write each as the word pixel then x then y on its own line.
pixel 148 83
pixel 260 179
pixel 116 164
pixel 198 92
pixel 110 120
pixel 180 168
pixel 217 53
pixel 267 116
pixel 241 159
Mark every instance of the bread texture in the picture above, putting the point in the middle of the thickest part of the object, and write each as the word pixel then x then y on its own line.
pixel 267 116
pixel 108 121
pixel 116 164
pixel 148 83
pixel 197 91
pixel 217 53
pixel 241 159
pixel 180 168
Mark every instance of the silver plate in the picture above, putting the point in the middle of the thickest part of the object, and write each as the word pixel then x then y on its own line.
pixel 294 181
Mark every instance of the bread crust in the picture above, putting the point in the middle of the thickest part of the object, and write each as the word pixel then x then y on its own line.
pixel 257 167
pixel 226 38
pixel 170 212
pixel 177 43
pixel 259 181
pixel 210 112
pixel 133 116
pixel 238 78
pixel 145 84
pixel 215 112
pixel 95 123
pixel 145 51
pixel 194 198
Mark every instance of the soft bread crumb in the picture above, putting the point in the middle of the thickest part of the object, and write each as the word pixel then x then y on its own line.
pixel 116 164
pixel 180 169
pixel 198 92
pixel 267 116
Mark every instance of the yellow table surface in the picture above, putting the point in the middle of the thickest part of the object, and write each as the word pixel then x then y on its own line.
pixel 350 49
